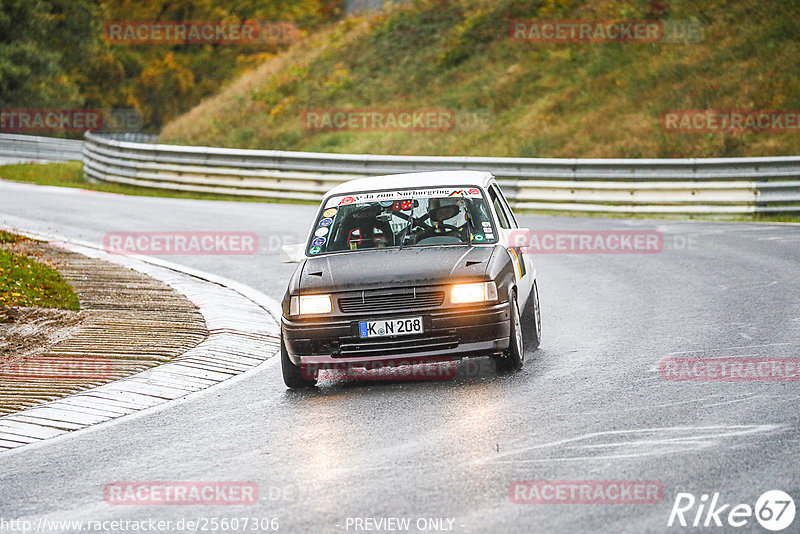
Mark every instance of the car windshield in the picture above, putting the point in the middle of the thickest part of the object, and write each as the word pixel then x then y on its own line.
pixel 402 218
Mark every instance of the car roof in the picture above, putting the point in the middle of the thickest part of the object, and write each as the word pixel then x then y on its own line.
pixel 414 180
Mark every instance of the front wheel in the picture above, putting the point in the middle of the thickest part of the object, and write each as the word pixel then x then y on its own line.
pixel 294 376
pixel 513 358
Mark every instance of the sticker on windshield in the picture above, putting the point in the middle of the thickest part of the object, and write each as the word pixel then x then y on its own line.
pixel 329 213
pixel 318 242
pixel 321 232
pixel 406 195
pixel 386 203
pixel 327 221
pixel 464 192
pixel 314 250
pixel 486 224
pixel 478 237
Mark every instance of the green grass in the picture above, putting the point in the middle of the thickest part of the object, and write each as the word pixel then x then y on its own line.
pixel 70 174
pixel 27 282
pixel 6 237
pixel 547 99
pixel 769 217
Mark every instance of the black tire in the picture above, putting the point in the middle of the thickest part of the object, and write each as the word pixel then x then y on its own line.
pixel 532 320
pixel 514 357
pixel 293 376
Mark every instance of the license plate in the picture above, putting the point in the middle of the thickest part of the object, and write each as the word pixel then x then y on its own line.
pixel 392 327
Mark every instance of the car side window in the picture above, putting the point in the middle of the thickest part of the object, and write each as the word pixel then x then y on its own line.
pixel 509 214
pixel 498 208
pixel 512 218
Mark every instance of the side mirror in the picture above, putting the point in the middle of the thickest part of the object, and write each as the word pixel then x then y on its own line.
pixel 519 237
pixel 292 253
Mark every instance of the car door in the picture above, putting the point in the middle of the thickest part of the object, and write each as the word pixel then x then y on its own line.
pixel 524 272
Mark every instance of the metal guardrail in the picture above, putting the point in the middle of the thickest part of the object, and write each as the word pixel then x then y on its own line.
pixel 700 186
pixel 693 186
pixel 36 148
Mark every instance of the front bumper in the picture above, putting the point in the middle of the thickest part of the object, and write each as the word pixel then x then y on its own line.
pixel 450 333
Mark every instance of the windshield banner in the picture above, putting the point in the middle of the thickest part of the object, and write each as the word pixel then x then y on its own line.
pixel 387 196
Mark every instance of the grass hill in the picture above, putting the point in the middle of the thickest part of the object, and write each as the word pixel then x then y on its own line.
pixel 519 98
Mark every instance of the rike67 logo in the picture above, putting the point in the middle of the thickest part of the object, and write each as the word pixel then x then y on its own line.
pixel 774 510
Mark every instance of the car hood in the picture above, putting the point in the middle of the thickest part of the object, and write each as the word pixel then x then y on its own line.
pixel 383 268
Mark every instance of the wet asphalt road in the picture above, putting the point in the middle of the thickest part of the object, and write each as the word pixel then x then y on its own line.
pixel 589 405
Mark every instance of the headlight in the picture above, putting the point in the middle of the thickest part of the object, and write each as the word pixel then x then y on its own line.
pixel 480 292
pixel 310 305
